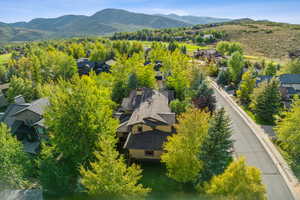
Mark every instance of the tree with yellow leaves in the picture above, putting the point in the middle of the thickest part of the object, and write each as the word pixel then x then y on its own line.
pixel 182 149
pixel 237 182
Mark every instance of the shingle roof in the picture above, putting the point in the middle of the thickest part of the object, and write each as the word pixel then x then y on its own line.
pixel 37 106
pixel 150 140
pixel 9 117
pixel 155 106
pixel 290 78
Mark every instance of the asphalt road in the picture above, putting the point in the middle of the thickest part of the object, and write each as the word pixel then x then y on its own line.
pixel 247 145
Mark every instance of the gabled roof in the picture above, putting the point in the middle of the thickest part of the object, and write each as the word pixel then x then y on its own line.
pixel 37 106
pixel 150 140
pixel 9 116
pixel 290 78
pixel 156 107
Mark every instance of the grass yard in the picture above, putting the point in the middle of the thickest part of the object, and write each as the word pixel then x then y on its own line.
pixel 190 47
pixel 4 58
pixel 164 188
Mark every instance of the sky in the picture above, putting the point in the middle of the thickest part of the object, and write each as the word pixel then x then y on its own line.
pixel 274 10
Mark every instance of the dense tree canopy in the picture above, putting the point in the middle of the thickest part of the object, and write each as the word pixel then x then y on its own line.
pixel 216 151
pixel 110 177
pixel 15 163
pixel 237 182
pixel 80 113
pixel 182 149
pixel 288 131
pixel 246 87
pixel 266 100
pixel 236 65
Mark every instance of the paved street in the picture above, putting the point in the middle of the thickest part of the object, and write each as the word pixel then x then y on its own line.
pixel 247 145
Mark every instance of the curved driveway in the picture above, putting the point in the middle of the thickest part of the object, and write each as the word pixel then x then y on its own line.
pixel 247 145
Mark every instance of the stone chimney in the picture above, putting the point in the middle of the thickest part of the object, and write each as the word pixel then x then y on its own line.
pixel 19 99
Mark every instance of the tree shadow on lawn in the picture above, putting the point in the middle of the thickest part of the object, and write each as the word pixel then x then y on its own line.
pixel 163 187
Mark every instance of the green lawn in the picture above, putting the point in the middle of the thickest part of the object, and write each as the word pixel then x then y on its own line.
pixel 164 188
pixel 4 58
pixel 190 47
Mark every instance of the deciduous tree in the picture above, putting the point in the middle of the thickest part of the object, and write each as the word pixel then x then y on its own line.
pixel 182 149
pixel 15 163
pixel 236 65
pixel 110 177
pixel 246 87
pixel 237 182
pixel 288 131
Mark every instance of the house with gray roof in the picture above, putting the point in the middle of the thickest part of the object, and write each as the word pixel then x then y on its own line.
pixel 26 121
pixel 289 84
pixel 150 123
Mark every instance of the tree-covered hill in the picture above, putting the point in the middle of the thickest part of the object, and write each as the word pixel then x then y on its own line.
pixel 103 22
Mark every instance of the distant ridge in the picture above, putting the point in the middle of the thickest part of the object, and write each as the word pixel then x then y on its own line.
pixel 196 19
pixel 106 21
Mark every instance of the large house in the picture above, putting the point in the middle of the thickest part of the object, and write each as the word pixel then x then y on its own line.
pixel 25 120
pixel 146 122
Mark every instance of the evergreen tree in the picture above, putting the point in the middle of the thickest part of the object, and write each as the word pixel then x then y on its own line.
pixel 266 100
pixel 237 182
pixel 223 78
pixel 204 97
pixel 216 151
pixel 246 87
pixel 132 82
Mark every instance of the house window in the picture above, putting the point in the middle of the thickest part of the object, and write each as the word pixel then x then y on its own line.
pixel 140 129
pixel 149 153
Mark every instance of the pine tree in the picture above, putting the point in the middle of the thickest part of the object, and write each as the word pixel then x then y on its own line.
pixel 204 97
pixel 132 82
pixel 223 78
pixel 216 152
pixel 266 101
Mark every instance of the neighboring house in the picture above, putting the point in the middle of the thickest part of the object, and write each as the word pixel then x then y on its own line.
pixel 85 66
pixel 33 194
pixel 289 84
pixel 26 121
pixel 209 55
pixel 151 122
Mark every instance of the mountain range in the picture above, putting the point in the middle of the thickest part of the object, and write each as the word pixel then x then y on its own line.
pixel 103 22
